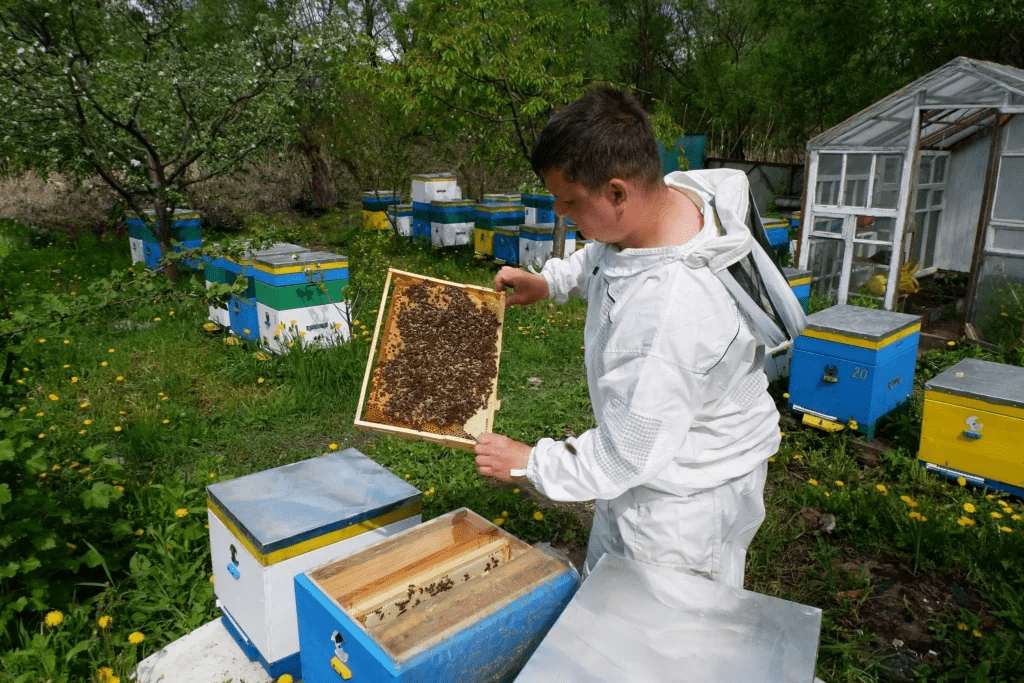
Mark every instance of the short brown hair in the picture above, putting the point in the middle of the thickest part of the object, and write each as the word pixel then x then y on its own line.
pixel 603 135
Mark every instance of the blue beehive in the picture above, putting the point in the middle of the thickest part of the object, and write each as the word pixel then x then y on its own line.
pixel 451 222
pixel 456 599
pixel 487 217
pixel 506 245
pixel 242 317
pixel 269 526
pixel 540 208
pixel 421 220
pixel 853 363
pixel 185 228
pixel 800 282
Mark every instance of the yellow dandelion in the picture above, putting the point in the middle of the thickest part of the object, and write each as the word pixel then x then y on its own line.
pixel 210 327
pixel 110 350
pixel 67 341
pixel 515 490
pixel 907 499
pixel 1016 518
pixel 42 435
pixel 498 521
pixel 1006 529
pixel 53 397
pixel 827 494
pixel 87 421
pixel 812 482
pixel 356 322
pixel 839 483
pixel 135 637
pixel 968 507
pixel 798 457
pixel 246 331
pixel 996 515
pixel 211 578
pixel 42 341
pixel 771 459
pixel 74 380
pixel 538 515
pixel 119 378
pixel 990 496
pixel 71 545
pixel 962 626
pixel 54 618
pixel 180 512
pixel 852 423
pixel 55 468
pixel 333 446
pixel 961 481
pixel 104 621
pixel 504 513
pixel 40 414
pixel 977 633
pixel 104 364
pixel 166 421
pixel 121 412
pixel 139 532
pixel 965 521
pixel 156 320
pixel 882 489
pixel 262 356
pixel 83 404
pixel 260 381
pixel 915 515
pixel 213 475
pixel 82 431
pixel 117 428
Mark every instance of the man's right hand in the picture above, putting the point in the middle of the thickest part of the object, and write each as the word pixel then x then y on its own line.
pixel 527 287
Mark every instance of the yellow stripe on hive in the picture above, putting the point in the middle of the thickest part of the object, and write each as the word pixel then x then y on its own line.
pixel 939 398
pixel 288 270
pixel 863 343
pixel 800 281
pixel 303 547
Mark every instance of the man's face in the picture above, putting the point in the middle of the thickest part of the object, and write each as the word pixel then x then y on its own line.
pixel 593 212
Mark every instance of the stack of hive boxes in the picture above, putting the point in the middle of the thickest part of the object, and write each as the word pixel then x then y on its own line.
pixel 291 293
pixel 299 296
pixel 401 216
pixel 375 208
pixel 427 187
pixel 143 243
pixel 451 222
pixel 491 217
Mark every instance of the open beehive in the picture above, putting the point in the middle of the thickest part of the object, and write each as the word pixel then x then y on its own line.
pixel 433 368
pixel 453 599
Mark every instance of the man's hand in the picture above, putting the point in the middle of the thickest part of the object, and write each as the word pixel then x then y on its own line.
pixel 497 456
pixel 529 288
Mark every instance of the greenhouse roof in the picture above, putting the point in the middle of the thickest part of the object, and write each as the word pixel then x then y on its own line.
pixel 957 100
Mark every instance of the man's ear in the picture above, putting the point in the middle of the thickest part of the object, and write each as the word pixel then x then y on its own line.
pixel 617 191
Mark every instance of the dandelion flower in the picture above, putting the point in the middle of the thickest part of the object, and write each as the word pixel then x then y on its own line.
pixel 969 507
pixel 74 380
pixel 166 421
pixel 260 381
pixel 798 456
pixel 516 490
pixel 504 513
pixel 977 633
pixel 839 482
pixel 1016 518
pixel 43 341
pixel 82 431
pixel 961 481
pixel 333 446
pixel 907 499
pixel 785 395
pixel 139 532
pixel 962 626
pixel 119 378
pixel 54 618
pixel 210 327
pixel 156 320
pixel 498 521
pixel 812 482
pixel 881 489
pixel 40 414
pixel 538 515
pixel 104 621
pixel 262 356
pixel 914 514
pixel 42 435
pixel 104 364
pixel 213 475
pixel 117 428
pixel 827 494
pixel 990 496
pixel 67 341
pixel 53 397
pixel 104 674
pixel 87 421
pixel 771 459
pixel 83 404
pixel 1006 529
pixel 110 350
pixel 965 521
pixel 135 637
pixel 996 515
pixel 852 423
pixel 180 512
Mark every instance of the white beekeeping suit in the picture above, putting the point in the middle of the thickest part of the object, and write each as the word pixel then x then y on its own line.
pixel 685 425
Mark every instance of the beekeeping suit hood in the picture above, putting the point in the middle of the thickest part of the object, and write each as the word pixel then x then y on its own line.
pixel 728 191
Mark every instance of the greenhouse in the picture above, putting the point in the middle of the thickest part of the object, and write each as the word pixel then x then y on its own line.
pixel 927 181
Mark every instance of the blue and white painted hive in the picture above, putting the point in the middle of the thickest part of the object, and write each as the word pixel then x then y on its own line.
pixel 400 215
pixel 427 187
pixel 451 222
pixel 185 228
pixel 456 599
pixel 267 527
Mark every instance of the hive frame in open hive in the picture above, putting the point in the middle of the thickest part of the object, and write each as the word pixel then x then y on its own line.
pixel 385 346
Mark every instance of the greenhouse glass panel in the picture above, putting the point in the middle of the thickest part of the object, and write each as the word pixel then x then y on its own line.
pixel 939 171
pixel 999 307
pixel 1009 202
pixel 858 171
pixel 826 265
pixel 828 224
pixel 885 193
pixel 1014 133
pixel 877 228
pixel 830 170
pixel 1008 238
pixel 924 170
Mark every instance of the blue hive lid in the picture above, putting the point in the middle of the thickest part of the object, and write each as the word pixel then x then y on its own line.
pixel 280 507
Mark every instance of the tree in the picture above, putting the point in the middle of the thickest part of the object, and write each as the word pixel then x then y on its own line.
pixel 151 95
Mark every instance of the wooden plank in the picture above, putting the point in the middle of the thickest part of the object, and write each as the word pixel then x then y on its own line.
pixel 991 171
pixel 403 591
pixel 373 345
pixel 468 603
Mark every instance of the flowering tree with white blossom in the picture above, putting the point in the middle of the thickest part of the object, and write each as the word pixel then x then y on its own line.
pixel 150 95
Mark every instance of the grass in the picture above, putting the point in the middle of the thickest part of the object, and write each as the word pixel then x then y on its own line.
pixel 131 457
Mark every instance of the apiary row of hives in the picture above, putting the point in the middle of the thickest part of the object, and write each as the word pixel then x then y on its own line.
pixel 292 295
pixel 515 229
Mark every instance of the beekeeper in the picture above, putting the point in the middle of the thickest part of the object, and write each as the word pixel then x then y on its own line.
pixel 677 461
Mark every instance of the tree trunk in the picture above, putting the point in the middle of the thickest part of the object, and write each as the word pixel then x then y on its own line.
pixel 324 192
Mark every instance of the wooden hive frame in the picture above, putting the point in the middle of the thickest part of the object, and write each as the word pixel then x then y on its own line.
pixel 418 588
pixel 385 345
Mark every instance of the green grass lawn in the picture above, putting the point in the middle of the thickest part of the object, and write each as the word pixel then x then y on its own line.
pixel 113 422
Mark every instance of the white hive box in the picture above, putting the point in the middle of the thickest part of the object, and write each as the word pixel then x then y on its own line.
pixel 323 325
pixel 137 250
pixel 642 623
pixel 427 187
pixel 267 527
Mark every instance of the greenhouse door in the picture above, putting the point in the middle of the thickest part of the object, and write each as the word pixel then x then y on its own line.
pixel 997 309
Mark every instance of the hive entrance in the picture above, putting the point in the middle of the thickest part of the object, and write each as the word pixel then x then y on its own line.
pixel 433 371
